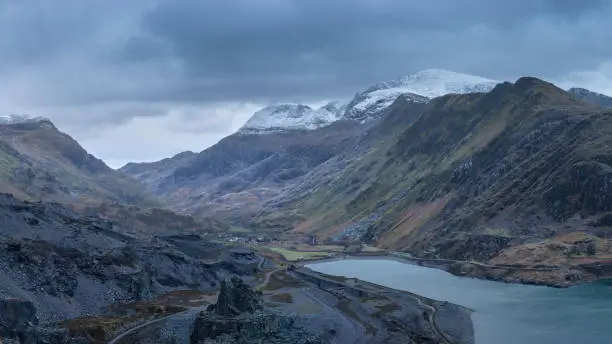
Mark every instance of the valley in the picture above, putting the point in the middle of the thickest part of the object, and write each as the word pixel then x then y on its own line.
pixel 506 182
pixel 496 173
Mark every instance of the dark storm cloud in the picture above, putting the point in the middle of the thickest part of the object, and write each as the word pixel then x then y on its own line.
pixel 276 49
pixel 70 52
pixel 144 79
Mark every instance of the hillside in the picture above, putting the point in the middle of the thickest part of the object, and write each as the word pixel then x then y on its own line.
pixel 39 162
pixel 235 176
pixel 56 265
pixel 474 175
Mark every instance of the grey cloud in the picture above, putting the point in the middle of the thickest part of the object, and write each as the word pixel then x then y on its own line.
pixel 349 44
pixel 70 52
pixel 101 63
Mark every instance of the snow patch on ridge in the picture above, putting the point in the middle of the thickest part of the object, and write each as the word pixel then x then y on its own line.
pixel 15 119
pixel 370 103
pixel 291 117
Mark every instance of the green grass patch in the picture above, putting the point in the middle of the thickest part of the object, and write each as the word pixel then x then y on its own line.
pixel 292 256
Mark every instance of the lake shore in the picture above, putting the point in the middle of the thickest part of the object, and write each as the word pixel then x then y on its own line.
pixel 382 309
pixel 499 308
pixel 552 276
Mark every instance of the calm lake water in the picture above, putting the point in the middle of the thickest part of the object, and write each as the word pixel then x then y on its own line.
pixel 504 313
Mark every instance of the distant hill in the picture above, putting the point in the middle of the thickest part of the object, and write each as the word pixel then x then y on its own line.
pixel 592 97
pixel 39 162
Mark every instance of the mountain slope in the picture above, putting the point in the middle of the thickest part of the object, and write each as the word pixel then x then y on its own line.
pixel 39 162
pixel 241 171
pixel 592 97
pixel 472 176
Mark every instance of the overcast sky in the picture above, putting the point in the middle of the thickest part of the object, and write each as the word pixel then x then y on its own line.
pixel 141 80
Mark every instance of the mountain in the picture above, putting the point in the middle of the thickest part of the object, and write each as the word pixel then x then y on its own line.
pixel 291 117
pixel 243 170
pixel 39 162
pixel 592 97
pixel 521 173
pixel 370 103
pixel 366 105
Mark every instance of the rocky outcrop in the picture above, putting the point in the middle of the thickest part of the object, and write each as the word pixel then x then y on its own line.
pixel 473 247
pixel 235 297
pixel 239 317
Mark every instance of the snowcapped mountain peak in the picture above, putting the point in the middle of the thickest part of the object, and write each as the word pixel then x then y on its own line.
pixel 368 104
pixel 430 83
pixel 437 82
pixel 284 117
pixel 17 119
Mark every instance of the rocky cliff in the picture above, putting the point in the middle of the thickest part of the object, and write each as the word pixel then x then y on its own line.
pixel 239 317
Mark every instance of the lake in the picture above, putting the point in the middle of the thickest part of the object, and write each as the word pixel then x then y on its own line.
pixel 503 313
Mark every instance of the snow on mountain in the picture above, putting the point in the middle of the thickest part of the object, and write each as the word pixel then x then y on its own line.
pixel 592 97
pixel 291 117
pixel 422 86
pixel 14 119
pixel 368 104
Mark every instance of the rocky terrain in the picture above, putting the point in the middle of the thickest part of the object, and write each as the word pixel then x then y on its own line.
pixel 57 265
pixel 299 305
pixel 239 317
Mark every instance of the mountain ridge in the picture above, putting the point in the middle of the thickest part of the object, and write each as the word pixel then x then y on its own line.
pixel 39 162
pixel 592 97
pixel 366 105
pixel 291 117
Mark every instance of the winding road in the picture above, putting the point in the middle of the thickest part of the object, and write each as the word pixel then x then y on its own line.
pixel 141 326
pixel 266 276
pixel 358 333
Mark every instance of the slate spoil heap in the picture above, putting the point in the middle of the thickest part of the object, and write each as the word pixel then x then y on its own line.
pixel 239 317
